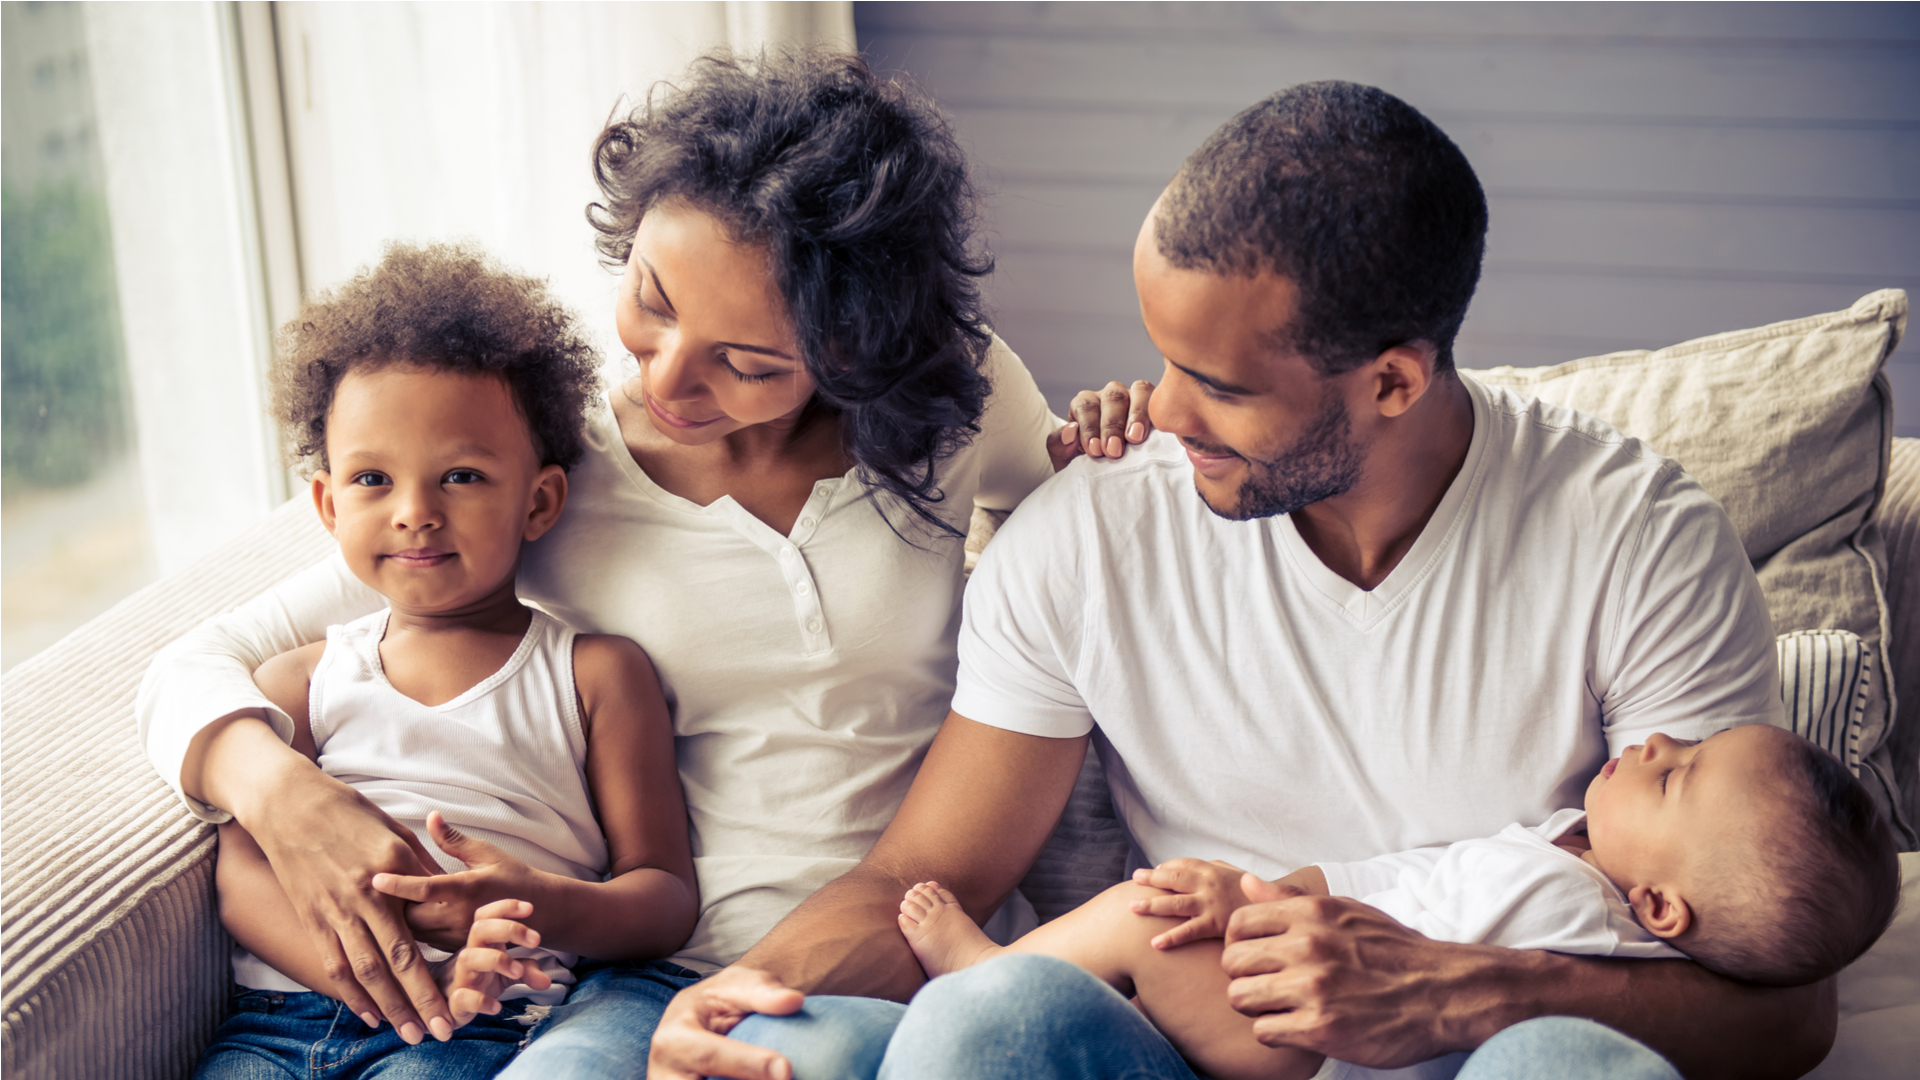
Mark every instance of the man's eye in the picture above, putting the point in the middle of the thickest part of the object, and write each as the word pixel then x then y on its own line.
pixel 462 476
pixel 371 479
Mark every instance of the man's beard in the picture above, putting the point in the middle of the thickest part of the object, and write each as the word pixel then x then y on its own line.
pixel 1321 463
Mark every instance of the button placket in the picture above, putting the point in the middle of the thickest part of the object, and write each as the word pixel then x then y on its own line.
pixel 794 573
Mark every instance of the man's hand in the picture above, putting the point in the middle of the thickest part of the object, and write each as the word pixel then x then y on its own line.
pixel 445 905
pixel 1205 893
pixel 477 975
pixel 691 1040
pixel 1340 978
pixel 326 842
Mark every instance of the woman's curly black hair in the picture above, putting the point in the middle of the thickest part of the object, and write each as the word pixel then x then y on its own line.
pixel 858 191
pixel 447 307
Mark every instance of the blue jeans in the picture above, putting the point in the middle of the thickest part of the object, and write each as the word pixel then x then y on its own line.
pixel 1027 1017
pixel 606 1024
pixel 276 1036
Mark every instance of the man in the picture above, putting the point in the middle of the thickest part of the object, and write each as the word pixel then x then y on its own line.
pixel 1362 604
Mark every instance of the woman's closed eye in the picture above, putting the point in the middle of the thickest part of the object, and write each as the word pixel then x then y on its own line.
pixel 1663 780
pixel 727 362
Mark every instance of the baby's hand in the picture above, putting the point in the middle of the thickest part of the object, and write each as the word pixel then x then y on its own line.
pixel 476 976
pixel 1207 893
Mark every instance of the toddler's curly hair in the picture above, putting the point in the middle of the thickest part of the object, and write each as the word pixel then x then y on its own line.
pixel 446 307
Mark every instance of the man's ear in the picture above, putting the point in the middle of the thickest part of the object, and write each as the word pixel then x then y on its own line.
pixel 549 498
pixel 323 498
pixel 1663 912
pixel 1401 377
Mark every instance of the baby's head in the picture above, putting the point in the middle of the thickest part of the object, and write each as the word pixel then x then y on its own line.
pixel 438 400
pixel 1754 852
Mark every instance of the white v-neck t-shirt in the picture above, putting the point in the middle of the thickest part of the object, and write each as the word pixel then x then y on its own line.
pixel 1573 592
pixel 806 672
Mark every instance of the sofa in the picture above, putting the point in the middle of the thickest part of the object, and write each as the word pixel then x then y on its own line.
pixel 114 961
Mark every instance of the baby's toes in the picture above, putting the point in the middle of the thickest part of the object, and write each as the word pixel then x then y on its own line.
pixel 947 896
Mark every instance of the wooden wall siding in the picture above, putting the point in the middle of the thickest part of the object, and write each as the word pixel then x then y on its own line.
pixel 1655 172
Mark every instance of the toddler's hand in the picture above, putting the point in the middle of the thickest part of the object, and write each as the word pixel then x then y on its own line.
pixel 1206 893
pixel 476 976
pixel 445 905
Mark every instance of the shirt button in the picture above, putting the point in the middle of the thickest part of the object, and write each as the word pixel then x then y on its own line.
pixel 806 523
pixel 802 588
pixel 813 626
pixel 786 553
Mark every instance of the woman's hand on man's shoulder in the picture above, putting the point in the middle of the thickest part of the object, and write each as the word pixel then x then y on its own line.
pixel 1103 423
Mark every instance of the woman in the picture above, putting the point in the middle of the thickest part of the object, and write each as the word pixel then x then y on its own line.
pixel 773 505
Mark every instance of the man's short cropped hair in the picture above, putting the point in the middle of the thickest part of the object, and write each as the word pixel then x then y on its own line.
pixel 1348 191
pixel 445 307
pixel 1814 888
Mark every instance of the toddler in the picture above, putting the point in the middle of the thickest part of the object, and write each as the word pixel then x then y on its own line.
pixel 1754 852
pixel 441 401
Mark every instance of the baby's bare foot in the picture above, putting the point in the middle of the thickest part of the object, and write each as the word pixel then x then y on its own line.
pixel 940 933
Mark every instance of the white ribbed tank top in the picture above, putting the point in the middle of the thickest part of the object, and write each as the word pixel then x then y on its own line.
pixel 505 762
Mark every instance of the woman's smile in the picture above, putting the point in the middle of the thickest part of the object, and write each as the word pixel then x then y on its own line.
pixel 661 414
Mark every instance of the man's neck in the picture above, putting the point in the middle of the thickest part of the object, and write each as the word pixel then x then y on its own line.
pixel 1363 534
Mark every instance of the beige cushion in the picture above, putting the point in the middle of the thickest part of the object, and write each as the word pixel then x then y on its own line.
pixel 1788 426
pixel 1899 517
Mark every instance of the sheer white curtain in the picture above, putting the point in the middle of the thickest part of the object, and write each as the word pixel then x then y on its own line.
pixel 414 121
pixel 432 121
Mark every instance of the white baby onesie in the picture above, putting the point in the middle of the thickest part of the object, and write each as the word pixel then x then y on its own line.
pixel 504 762
pixel 1515 888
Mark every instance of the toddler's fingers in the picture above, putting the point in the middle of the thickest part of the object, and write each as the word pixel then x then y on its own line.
pixel 504 909
pixel 468 1002
pixel 502 934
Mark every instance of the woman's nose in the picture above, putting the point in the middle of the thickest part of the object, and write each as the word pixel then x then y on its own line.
pixel 671 372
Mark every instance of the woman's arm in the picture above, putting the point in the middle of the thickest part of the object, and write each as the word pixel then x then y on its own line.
pixel 1019 436
pixel 648 905
pixel 197 685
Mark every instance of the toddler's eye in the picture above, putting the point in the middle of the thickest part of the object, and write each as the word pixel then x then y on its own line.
pixel 371 479
pixel 462 476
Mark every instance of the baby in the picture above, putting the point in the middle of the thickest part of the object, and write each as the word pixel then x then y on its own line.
pixel 442 400
pixel 1754 852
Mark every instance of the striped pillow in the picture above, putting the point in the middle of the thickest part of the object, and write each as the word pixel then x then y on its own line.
pixel 1826 679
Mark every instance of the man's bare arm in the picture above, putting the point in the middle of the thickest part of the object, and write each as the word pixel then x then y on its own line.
pixel 1295 970
pixel 984 803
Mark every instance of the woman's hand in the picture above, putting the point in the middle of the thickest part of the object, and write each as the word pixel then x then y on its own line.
pixel 477 975
pixel 1205 893
pixel 445 906
pixel 1103 423
pixel 325 842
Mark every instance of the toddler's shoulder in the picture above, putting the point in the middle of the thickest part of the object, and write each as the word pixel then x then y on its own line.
pixel 611 663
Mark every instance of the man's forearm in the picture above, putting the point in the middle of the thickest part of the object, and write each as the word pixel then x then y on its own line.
pixel 844 939
pixel 1707 1026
